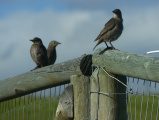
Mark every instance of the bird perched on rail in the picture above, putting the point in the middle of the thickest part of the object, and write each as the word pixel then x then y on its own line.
pixel 112 30
pixel 51 52
pixel 38 53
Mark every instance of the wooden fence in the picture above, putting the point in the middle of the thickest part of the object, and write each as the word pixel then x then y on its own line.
pixel 92 86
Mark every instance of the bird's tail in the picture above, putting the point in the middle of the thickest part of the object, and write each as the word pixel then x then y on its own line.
pixel 99 41
pixel 96 39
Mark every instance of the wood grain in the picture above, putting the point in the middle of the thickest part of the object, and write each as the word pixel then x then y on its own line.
pixel 39 79
pixel 81 96
pixel 111 106
pixel 127 64
pixel 65 107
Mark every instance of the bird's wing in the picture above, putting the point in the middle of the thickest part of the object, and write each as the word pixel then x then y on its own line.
pixel 49 51
pixel 42 54
pixel 108 26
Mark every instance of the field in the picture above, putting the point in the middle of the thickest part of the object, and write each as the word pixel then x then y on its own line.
pixel 32 109
pixel 146 107
pixel 44 109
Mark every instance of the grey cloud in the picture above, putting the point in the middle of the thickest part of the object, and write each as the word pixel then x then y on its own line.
pixel 8 52
pixel 76 30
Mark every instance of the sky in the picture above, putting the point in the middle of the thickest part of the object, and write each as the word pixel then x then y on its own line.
pixel 75 24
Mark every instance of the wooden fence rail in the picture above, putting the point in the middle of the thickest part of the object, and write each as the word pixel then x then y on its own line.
pixel 117 63
pixel 39 79
pixel 128 64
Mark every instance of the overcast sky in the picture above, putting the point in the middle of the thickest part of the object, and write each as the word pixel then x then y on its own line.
pixel 75 24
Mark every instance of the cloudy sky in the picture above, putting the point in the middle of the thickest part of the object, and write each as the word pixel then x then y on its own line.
pixel 73 23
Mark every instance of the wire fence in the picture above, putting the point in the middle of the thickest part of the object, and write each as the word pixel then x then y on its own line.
pixel 142 97
pixel 142 102
pixel 39 105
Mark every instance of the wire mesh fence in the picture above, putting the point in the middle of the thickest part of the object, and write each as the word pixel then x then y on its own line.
pixel 142 97
pixel 39 105
pixel 142 102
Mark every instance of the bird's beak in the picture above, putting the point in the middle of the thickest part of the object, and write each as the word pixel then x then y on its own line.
pixel 59 43
pixel 113 11
pixel 31 40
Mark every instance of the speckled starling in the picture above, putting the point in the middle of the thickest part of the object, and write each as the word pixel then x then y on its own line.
pixel 51 52
pixel 38 53
pixel 112 30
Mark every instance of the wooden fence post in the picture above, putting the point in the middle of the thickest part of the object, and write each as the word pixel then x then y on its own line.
pixel 112 104
pixel 81 97
pixel 64 109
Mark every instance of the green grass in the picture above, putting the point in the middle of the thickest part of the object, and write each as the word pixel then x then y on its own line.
pixel 44 109
pixel 29 109
pixel 151 103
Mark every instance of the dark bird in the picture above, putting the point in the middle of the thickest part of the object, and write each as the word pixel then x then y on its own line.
pixel 38 53
pixel 51 52
pixel 112 30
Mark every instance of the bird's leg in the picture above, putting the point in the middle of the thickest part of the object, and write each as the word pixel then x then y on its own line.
pixel 106 44
pixel 111 45
pixel 36 68
pixel 107 47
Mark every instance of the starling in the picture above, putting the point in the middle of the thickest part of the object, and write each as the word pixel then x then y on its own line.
pixel 112 30
pixel 38 53
pixel 51 52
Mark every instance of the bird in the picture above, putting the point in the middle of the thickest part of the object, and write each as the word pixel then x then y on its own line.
pixel 112 29
pixel 38 53
pixel 51 52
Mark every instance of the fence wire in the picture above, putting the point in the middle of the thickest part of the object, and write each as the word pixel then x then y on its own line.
pixel 142 98
pixel 142 101
pixel 39 105
pixel 143 104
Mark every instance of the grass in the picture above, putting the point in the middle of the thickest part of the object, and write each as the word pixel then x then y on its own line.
pixel 146 107
pixel 45 108
pixel 27 109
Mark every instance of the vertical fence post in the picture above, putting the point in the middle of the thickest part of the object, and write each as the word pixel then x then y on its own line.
pixel 64 109
pixel 112 104
pixel 81 97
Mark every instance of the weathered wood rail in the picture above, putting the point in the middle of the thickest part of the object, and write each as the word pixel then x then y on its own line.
pixel 39 79
pixel 128 64
pixel 117 63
